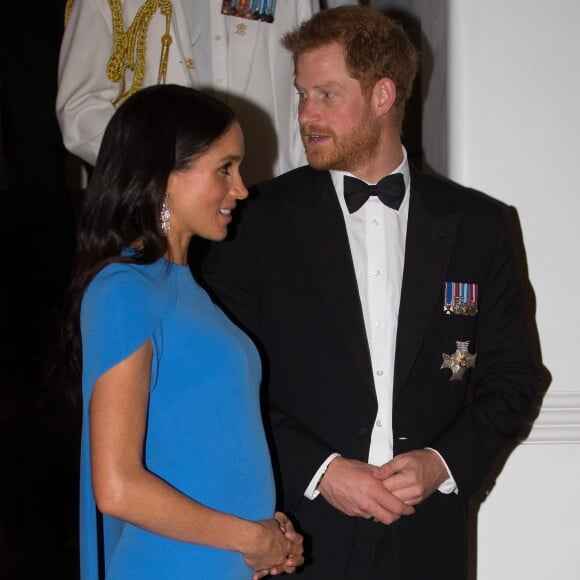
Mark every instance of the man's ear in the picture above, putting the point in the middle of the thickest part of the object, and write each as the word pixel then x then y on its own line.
pixel 385 95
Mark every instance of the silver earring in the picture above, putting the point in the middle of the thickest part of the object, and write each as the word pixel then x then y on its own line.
pixel 165 217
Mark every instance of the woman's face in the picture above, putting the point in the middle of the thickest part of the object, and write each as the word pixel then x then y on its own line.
pixel 202 197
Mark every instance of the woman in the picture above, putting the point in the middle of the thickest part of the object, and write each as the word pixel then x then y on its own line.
pixel 176 480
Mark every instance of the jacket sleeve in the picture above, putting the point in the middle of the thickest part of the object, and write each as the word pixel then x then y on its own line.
pixel 506 380
pixel 84 102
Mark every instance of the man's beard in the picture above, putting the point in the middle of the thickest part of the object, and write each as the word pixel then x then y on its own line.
pixel 345 152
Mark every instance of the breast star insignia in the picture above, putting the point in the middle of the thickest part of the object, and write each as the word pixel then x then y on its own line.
pixel 241 29
pixel 459 361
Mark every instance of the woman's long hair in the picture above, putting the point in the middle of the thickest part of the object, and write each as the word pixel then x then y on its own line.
pixel 158 130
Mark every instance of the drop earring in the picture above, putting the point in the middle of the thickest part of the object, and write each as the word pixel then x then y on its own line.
pixel 165 217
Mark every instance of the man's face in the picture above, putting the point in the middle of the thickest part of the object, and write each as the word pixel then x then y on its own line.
pixel 338 125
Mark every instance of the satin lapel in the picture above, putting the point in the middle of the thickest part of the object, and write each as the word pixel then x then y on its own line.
pixel 319 224
pixel 430 241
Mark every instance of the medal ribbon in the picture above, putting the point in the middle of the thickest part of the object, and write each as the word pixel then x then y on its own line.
pixel 262 10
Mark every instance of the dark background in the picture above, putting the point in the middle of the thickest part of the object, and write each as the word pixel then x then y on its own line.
pixel 39 430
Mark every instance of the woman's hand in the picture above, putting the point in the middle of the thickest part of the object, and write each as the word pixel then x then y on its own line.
pixel 295 558
pixel 277 548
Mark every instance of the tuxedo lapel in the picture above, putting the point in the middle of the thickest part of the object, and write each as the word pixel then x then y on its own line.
pixel 320 228
pixel 431 236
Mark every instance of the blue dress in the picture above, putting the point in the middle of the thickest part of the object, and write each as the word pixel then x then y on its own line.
pixel 204 428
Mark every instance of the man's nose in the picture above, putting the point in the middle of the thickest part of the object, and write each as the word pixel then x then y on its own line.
pixel 308 111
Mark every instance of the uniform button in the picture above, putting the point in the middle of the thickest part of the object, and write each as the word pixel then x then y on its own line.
pixel 375 222
pixel 378 423
pixel 376 272
pixel 379 324
pixel 380 372
pixel 218 37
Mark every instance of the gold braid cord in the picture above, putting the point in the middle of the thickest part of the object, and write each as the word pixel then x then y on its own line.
pixel 67 9
pixel 130 46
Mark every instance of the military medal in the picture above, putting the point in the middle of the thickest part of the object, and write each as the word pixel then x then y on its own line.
pixel 459 361
pixel 460 298
pixel 262 10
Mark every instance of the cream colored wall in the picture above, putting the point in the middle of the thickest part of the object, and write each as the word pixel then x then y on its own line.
pixel 514 89
pixel 501 115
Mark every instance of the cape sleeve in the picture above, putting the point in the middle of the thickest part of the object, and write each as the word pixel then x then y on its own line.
pixel 121 309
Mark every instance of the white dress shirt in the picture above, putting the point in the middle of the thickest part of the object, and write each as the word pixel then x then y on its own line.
pixel 376 235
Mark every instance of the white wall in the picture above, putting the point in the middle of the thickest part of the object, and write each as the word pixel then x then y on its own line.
pixel 513 91
pixel 528 527
pixel 505 86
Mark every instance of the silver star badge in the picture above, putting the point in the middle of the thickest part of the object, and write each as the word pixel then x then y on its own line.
pixel 459 361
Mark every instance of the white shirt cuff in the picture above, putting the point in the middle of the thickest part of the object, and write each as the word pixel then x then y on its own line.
pixel 449 485
pixel 311 491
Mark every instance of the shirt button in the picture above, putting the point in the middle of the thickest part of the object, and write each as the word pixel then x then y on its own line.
pixel 219 81
pixel 378 423
pixel 218 37
pixel 376 272
pixel 379 324
pixel 375 222
pixel 380 373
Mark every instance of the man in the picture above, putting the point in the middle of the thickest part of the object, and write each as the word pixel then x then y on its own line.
pixel 231 49
pixel 397 358
pixel 192 43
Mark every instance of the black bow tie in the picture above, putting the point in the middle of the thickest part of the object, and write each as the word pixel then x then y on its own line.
pixel 390 190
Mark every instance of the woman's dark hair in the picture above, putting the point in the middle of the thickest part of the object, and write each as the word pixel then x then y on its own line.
pixel 157 130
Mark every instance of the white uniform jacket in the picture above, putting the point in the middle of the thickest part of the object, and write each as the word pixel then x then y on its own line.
pixel 252 72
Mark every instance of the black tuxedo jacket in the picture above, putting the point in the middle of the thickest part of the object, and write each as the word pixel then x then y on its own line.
pixel 287 276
